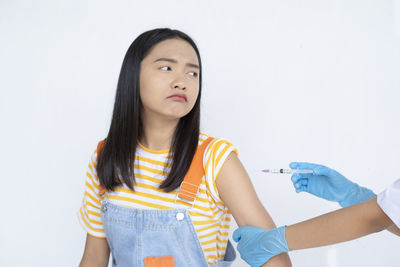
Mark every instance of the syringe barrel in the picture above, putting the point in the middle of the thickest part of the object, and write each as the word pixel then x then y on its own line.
pixel 290 171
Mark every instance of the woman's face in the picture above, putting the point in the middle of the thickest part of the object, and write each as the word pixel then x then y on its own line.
pixel 169 79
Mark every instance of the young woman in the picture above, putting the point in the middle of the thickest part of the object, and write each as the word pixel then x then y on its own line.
pixel 159 192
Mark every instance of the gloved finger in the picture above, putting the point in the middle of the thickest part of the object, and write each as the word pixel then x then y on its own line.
pixel 304 181
pixel 304 166
pixel 246 231
pixel 237 234
pixel 296 183
pixel 301 176
pixel 295 177
pixel 301 182
pixel 322 170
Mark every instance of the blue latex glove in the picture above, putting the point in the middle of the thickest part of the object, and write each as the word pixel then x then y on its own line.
pixel 256 246
pixel 329 184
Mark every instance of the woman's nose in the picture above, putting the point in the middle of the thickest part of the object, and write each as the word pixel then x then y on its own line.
pixel 178 83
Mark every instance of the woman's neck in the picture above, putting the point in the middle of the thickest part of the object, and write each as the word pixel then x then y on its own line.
pixel 157 132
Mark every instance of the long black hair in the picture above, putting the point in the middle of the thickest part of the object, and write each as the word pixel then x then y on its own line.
pixel 118 152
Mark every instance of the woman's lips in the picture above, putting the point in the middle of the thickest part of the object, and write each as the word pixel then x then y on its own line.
pixel 179 97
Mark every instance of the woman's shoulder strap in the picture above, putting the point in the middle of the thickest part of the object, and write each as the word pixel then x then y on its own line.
pixel 100 146
pixel 191 183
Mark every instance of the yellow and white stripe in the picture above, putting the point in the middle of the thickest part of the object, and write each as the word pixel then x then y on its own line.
pixel 210 216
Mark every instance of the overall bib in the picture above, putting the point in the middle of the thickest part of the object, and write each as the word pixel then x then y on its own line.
pixel 164 238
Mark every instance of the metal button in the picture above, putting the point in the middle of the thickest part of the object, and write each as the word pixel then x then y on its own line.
pixel 180 216
pixel 103 208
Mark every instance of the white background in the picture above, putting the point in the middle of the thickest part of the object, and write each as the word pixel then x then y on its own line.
pixel 284 81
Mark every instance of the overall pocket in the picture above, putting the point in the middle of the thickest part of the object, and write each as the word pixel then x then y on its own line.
pixel 167 261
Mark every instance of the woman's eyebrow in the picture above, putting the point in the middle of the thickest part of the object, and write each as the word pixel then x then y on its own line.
pixel 175 61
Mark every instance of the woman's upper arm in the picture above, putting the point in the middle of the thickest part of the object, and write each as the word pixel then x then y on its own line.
pixel 237 192
pixel 96 252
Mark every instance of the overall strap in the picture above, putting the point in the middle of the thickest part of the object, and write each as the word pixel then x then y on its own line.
pixel 99 148
pixel 191 182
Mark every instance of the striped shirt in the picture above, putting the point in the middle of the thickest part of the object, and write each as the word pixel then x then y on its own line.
pixel 210 216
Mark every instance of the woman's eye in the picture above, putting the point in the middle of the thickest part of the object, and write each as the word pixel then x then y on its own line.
pixel 194 74
pixel 165 68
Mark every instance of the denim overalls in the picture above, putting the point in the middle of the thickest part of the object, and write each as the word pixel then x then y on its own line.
pixel 164 238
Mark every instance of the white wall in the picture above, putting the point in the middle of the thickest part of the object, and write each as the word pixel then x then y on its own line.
pixel 313 80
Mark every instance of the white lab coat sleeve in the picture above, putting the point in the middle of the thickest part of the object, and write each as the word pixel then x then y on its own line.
pixel 389 201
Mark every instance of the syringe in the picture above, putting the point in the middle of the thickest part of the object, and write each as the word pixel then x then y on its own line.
pixel 286 171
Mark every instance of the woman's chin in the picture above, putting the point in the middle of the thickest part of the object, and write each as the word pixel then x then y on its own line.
pixel 176 114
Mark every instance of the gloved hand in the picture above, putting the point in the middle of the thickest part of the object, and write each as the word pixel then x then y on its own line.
pixel 256 246
pixel 329 184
